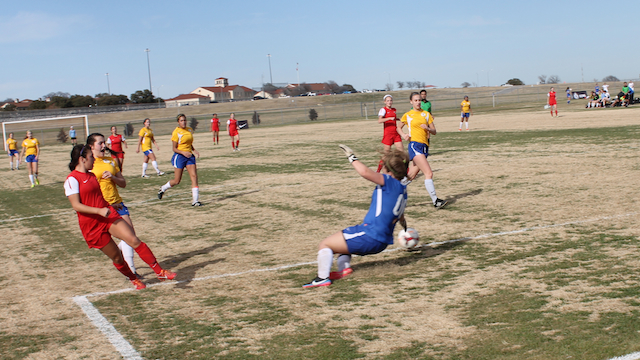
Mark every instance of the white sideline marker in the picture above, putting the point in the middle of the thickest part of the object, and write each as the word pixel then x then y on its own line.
pixel 129 353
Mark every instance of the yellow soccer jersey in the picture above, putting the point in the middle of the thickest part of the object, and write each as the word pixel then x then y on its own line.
pixel 413 119
pixel 11 144
pixel 147 138
pixel 31 146
pixel 466 106
pixel 184 138
pixel 107 186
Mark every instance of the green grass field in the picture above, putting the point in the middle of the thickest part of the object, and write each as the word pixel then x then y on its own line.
pixel 540 259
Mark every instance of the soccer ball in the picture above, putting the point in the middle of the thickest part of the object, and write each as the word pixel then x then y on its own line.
pixel 408 239
pixel 546 107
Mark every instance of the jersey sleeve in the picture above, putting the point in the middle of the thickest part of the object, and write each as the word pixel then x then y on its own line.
pixel 228 122
pixel 404 118
pixel 122 137
pixel 71 186
pixel 382 112
pixel 174 136
pixel 109 140
pixel 429 118
pixel 141 132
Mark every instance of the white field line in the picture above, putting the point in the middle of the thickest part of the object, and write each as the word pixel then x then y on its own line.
pixel 129 353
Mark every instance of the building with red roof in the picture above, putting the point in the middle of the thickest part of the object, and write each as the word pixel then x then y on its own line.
pixel 186 99
pixel 222 91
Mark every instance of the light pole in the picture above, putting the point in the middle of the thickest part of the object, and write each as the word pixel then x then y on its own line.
pixel 108 86
pixel 149 69
pixel 270 75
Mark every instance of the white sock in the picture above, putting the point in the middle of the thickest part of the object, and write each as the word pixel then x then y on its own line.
pixel 460 128
pixel 144 168
pixel 325 259
pixel 466 123
pixel 127 254
pixel 166 186
pixel 344 261
pixel 18 164
pixel 31 179
pixel 11 163
pixel 196 194
pixel 428 183
pixel 155 165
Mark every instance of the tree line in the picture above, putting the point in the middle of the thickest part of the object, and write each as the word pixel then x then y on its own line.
pixel 62 100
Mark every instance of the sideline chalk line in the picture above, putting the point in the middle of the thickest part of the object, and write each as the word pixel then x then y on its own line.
pixel 129 353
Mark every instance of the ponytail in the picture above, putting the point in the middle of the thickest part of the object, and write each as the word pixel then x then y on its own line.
pixel 77 152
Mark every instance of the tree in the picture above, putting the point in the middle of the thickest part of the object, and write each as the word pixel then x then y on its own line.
pixel 81 100
pixel 334 87
pixel 348 87
pixel 542 79
pixel 62 136
pixel 256 118
pixel 400 84
pixel 128 129
pixel 268 87
pixel 10 107
pixel 610 78
pixel 465 84
pixel 61 102
pixel 389 87
pixel 57 93
pixel 142 97
pixel 515 81
pixel 38 105
pixel 553 79
pixel 112 100
pixel 313 114
pixel 193 123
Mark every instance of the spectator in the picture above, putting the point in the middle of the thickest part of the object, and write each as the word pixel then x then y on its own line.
pixel 605 98
pixel 605 87
pixel 631 92
pixel 593 100
pixel 597 88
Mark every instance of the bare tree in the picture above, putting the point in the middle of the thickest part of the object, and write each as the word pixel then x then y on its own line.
pixel 465 84
pixel 610 78
pixel 423 85
pixel 542 79
pixel 400 84
pixel 389 87
pixel 553 79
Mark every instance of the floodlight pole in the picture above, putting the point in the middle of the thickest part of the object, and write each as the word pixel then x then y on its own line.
pixel 108 85
pixel 270 75
pixel 149 69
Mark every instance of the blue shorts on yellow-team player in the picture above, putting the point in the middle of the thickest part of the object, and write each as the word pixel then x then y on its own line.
pixel 464 115
pixel 417 148
pixel 359 243
pixel 146 153
pixel 122 209
pixel 13 152
pixel 31 158
pixel 180 161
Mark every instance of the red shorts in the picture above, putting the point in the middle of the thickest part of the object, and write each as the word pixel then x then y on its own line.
pixel 216 128
pixel 551 103
pixel 96 232
pixel 119 155
pixel 391 136
pixel 234 133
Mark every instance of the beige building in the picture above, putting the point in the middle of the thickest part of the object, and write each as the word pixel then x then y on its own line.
pixel 222 91
pixel 186 100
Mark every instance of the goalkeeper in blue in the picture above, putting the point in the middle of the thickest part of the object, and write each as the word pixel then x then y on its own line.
pixel 376 231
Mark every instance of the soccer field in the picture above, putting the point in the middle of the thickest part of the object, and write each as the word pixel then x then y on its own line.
pixel 535 257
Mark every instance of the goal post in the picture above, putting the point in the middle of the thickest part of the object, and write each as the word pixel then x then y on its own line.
pixel 53 123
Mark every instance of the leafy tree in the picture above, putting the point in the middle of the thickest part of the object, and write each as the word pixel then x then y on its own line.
pixel 553 79
pixel 38 105
pixel 113 100
pixel 57 93
pixel 62 136
pixel 313 114
pixel 193 123
pixel 400 84
pixel 10 107
pixel 81 100
pixel 256 118
pixel 128 129
pixel 465 84
pixel 542 79
pixel 143 97
pixel 610 78
pixel 61 102
pixel 515 81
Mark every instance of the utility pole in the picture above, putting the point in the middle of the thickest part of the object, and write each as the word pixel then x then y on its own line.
pixel 149 68
pixel 270 75
pixel 108 86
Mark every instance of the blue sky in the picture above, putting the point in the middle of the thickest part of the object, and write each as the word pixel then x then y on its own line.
pixel 69 46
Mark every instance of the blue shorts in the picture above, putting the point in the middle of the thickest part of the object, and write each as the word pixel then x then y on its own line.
pixel 417 148
pixel 31 158
pixel 13 152
pixel 180 161
pixel 121 208
pixel 146 153
pixel 359 243
pixel 465 115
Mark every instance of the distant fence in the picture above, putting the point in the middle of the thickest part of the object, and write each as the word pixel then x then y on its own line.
pixel 35 114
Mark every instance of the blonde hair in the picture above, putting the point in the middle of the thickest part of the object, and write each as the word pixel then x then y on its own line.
pixel 397 163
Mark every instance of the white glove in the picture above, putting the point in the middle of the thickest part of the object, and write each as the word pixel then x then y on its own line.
pixel 347 151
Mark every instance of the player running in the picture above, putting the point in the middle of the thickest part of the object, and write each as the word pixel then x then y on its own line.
pixel 98 220
pixel 145 141
pixel 12 151
pixel 215 129
pixel 182 140
pixel 115 141
pixel 551 101
pixel 109 176
pixel 387 116
pixel 232 126
pixel 31 148
pixel 465 113
pixel 420 124
pixel 388 201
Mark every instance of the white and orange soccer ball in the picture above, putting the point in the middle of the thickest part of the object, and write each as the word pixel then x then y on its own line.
pixel 408 239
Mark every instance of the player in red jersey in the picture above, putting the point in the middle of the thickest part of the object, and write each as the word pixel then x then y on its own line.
pixel 551 101
pixel 387 116
pixel 115 142
pixel 232 126
pixel 98 220
pixel 215 129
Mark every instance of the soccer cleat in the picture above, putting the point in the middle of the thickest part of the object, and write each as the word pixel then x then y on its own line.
pixel 138 284
pixel 37 181
pixel 166 275
pixel 160 193
pixel 459 129
pixel 197 203
pixel 160 173
pixel 33 185
pixel 439 204
pixel 317 282
pixel 335 275
pixel 145 176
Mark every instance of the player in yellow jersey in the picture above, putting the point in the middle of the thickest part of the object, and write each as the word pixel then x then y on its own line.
pixel 109 176
pixel 145 142
pixel 31 149
pixel 465 112
pixel 12 150
pixel 184 157
pixel 420 124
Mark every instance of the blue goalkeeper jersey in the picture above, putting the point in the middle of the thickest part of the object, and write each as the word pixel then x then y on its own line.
pixel 387 205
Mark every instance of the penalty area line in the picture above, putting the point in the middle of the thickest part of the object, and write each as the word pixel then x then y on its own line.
pixel 632 356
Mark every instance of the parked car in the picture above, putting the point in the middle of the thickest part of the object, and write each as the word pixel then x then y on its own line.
pixel 258 98
pixel 311 94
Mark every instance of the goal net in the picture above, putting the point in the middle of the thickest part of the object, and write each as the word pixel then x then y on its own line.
pixel 48 131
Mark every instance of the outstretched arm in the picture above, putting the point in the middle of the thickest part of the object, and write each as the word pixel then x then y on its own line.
pixel 361 168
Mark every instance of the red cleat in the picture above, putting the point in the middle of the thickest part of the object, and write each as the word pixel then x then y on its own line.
pixel 166 275
pixel 138 284
pixel 335 275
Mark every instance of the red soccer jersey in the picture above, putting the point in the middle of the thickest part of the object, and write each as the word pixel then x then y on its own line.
pixel 116 142
pixel 389 113
pixel 232 126
pixel 552 97
pixel 215 124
